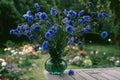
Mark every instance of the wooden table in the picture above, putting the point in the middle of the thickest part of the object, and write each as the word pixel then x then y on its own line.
pixel 87 74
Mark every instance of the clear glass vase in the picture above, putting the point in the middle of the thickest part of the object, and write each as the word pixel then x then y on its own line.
pixel 55 66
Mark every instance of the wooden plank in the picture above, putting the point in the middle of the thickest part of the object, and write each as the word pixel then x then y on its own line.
pixel 109 77
pixel 77 76
pixel 112 73
pixel 95 74
pixel 65 76
pixel 86 76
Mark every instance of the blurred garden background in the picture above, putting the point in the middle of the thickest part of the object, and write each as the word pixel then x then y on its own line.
pixel 24 63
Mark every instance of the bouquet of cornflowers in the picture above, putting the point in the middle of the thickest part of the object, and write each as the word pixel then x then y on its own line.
pixel 54 30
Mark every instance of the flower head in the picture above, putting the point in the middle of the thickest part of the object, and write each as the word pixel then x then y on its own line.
pixel 93 13
pixel 43 16
pixel 71 14
pixel 70 22
pixel 31 37
pixel 65 12
pixel 3 64
pixel 36 47
pixel 53 28
pixel 104 34
pixel 83 30
pixel 35 26
pixel 65 20
pixel 69 29
pixel 71 72
pixel 48 23
pixel 37 15
pixel 90 4
pixel 88 27
pixel 80 43
pixel 53 12
pixel 71 40
pixel 45 45
pixel 81 12
pixel 36 6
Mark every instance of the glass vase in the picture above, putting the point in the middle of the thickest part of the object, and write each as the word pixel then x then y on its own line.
pixel 55 66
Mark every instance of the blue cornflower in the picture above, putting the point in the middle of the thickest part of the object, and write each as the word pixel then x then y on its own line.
pixel 88 27
pixel 87 18
pixel 80 43
pixel 28 31
pixel 51 32
pixel 70 22
pixel 105 14
pixel 31 37
pixel 71 40
pixel 48 23
pixel 83 30
pixel 65 12
pixel 53 28
pixel 93 13
pixel 45 45
pixel 25 26
pixel 71 14
pixel 71 72
pixel 12 31
pixel 36 6
pixel 104 34
pixel 90 4
pixel 100 15
pixel 43 16
pixel 53 12
pixel 65 20
pixel 37 15
pixel 48 35
pixel 28 12
pixel 35 26
pixel 16 32
pixel 30 18
pixel 81 12
pixel 36 47
pixel 69 29
pixel 20 27
pixel 81 21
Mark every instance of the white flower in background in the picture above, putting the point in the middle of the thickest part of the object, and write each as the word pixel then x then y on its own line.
pixel 21 53
pixel 5 49
pixel 117 62
pixel 104 53
pixel 96 52
pixel 3 64
pixel 2 59
pixel 21 58
pixel 112 58
pixel 9 48
pixel 109 40
pixel 40 48
pixel 12 51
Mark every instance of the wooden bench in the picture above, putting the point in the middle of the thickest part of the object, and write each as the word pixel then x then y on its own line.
pixel 87 74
